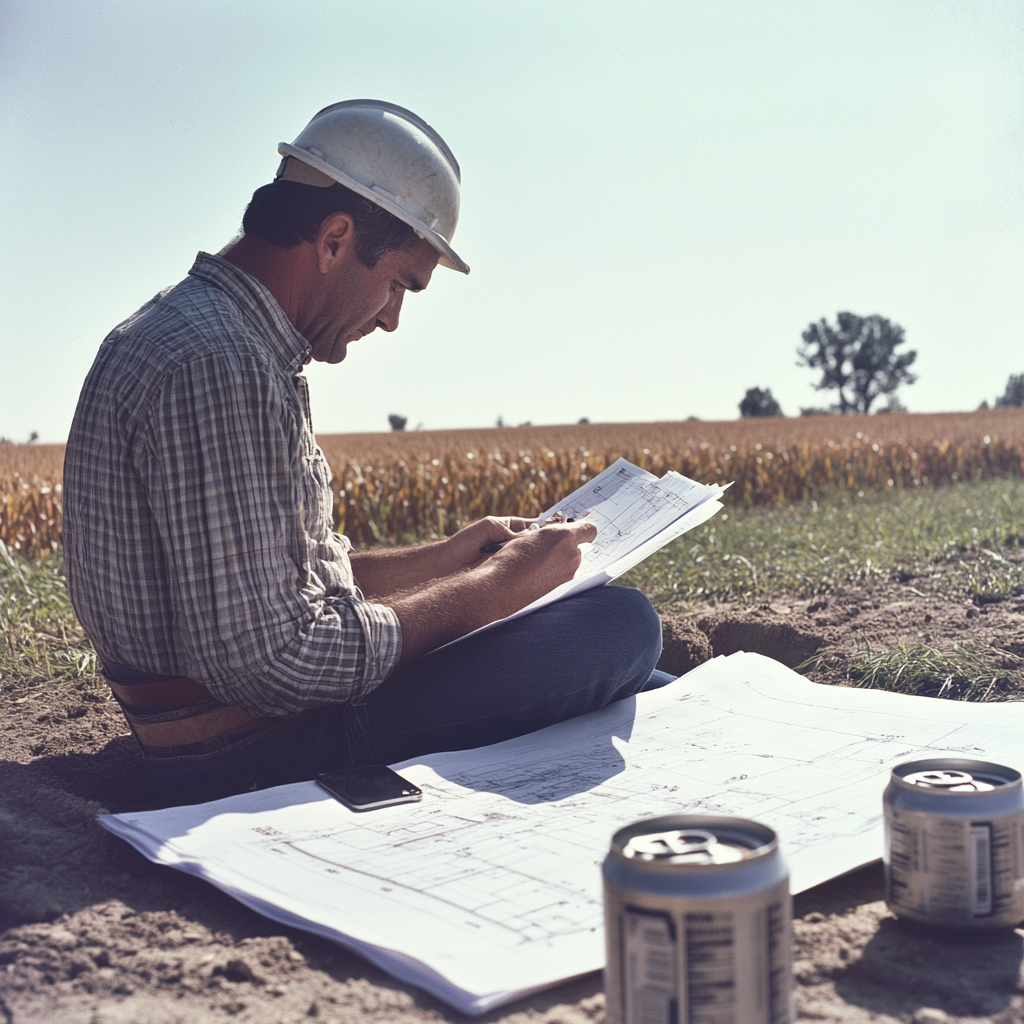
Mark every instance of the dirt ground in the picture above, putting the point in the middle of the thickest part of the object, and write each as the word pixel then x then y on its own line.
pixel 95 934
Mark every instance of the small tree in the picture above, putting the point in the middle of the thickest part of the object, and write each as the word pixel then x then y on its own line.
pixel 857 359
pixel 1014 396
pixel 397 422
pixel 759 403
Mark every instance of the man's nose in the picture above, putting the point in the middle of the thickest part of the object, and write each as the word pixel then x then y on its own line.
pixel 387 318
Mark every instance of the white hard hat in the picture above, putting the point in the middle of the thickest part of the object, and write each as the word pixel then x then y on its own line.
pixel 388 155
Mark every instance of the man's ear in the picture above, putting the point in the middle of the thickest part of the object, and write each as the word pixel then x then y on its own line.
pixel 335 241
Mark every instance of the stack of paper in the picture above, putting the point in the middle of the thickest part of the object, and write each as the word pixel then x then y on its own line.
pixel 490 888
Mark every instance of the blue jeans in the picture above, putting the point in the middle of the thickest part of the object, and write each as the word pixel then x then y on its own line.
pixel 565 660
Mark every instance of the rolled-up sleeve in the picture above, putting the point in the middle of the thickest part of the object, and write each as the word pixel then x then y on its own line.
pixel 266 612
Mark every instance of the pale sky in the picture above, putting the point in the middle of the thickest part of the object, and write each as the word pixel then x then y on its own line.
pixel 657 197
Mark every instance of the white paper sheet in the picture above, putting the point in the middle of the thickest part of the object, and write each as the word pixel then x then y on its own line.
pixel 490 888
pixel 628 506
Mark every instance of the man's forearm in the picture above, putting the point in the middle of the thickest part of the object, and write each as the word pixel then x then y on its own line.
pixel 381 572
pixel 446 609
pixel 524 569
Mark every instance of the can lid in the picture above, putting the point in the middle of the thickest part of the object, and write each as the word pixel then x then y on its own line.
pixel 953 781
pixel 961 776
pixel 693 842
pixel 683 846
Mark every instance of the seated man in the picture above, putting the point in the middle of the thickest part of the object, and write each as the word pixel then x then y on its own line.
pixel 247 644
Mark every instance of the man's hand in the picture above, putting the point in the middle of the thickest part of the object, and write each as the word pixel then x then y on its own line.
pixel 536 561
pixel 464 546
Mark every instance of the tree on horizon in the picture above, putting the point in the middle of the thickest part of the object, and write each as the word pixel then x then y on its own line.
pixel 858 359
pixel 758 402
pixel 1013 397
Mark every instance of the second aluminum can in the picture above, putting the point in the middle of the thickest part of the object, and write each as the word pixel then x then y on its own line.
pixel 954 844
pixel 698 923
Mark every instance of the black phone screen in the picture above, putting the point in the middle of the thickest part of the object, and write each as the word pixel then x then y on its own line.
pixel 364 789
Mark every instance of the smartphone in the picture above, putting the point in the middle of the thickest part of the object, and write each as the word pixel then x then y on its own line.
pixel 366 789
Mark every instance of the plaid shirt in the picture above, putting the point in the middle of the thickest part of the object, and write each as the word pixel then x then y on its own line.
pixel 198 535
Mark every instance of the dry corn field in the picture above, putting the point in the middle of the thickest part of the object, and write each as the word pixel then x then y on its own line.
pixel 417 485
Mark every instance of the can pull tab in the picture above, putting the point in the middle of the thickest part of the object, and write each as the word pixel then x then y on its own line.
pixel 670 844
pixel 947 779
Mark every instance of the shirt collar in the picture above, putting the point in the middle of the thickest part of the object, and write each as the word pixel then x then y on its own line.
pixel 254 299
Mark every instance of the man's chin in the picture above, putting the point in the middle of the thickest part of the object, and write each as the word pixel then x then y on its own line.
pixel 337 353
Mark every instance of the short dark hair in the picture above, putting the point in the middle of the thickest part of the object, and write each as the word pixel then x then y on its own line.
pixel 285 213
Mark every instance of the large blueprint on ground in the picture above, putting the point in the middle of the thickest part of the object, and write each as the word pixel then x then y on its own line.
pixel 490 888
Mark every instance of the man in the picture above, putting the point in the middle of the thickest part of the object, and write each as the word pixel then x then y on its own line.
pixel 247 644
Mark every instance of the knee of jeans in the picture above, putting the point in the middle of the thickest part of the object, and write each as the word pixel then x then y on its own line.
pixel 628 611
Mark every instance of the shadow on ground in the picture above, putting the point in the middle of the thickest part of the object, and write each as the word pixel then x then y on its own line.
pixel 851 950
pixel 899 972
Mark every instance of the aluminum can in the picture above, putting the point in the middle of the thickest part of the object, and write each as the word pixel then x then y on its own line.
pixel 698 923
pixel 954 843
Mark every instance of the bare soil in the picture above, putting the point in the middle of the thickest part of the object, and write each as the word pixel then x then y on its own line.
pixel 830 631
pixel 94 933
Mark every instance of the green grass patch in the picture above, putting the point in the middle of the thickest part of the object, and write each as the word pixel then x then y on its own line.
pixel 954 540
pixel 42 642
pixel 964 541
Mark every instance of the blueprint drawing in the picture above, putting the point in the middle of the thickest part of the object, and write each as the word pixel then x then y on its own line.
pixel 490 888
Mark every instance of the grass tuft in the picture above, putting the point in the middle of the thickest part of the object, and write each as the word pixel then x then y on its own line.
pixel 958 671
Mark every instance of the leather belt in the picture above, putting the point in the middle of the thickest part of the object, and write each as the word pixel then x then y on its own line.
pixel 166 691
pixel 221 721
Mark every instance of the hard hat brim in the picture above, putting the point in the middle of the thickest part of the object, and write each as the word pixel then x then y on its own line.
pixel 447 256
